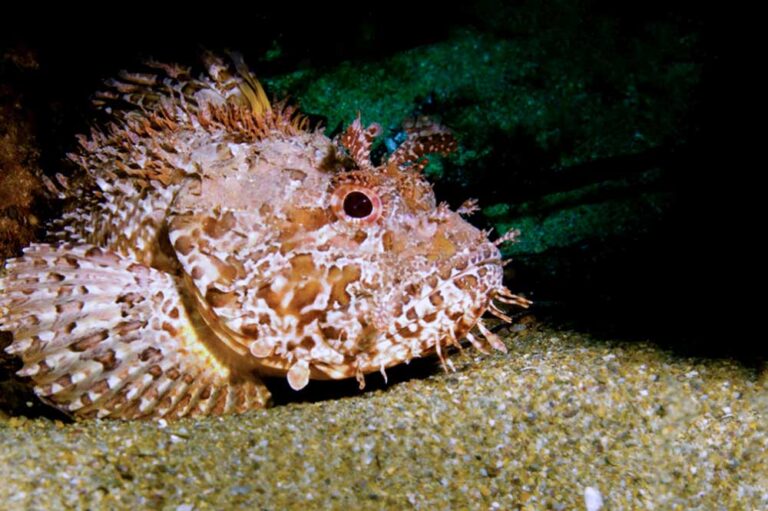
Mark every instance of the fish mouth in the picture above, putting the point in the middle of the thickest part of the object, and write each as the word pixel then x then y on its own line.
pixel 436 309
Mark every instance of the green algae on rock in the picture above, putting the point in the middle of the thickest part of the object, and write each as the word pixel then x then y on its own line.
pixel 484 84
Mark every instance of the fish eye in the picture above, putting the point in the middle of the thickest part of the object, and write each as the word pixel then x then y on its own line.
pixel 356 204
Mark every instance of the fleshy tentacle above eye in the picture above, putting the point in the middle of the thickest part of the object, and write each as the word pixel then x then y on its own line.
pixel 424 137
pixel 358 141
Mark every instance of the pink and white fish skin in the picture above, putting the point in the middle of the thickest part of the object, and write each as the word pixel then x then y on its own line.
pixel 212 238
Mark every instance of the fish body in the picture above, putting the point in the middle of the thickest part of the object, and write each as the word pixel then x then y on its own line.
pixel 213 238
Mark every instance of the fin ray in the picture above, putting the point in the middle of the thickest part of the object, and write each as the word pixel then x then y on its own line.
pixel 125 349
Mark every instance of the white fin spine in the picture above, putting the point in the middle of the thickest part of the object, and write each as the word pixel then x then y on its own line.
pixel 102 336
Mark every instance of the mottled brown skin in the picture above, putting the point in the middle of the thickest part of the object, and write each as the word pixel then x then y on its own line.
pixel 214 239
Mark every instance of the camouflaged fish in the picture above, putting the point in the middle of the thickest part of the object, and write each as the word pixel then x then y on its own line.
pixel 213 238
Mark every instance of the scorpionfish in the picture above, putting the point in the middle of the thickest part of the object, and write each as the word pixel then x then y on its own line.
pixel 211 238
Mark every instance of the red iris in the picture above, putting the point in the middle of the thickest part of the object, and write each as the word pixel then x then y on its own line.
pixel 355 204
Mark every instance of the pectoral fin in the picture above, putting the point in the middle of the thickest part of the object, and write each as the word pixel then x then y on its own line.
pixel 102 336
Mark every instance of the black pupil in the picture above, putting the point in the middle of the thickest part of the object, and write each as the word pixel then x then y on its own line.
pixel 357 205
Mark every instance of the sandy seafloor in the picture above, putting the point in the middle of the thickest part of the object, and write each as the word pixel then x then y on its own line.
pixel 531 429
